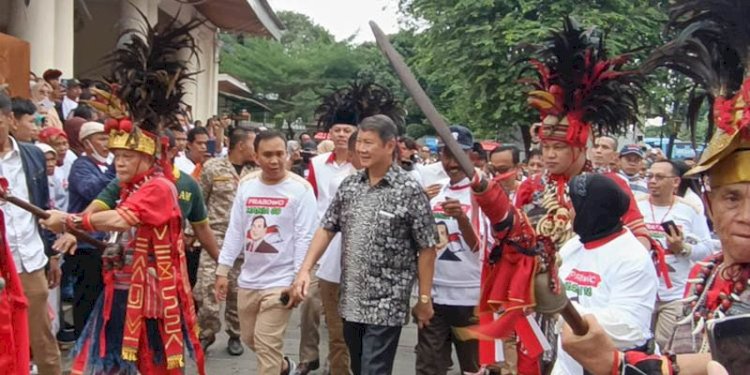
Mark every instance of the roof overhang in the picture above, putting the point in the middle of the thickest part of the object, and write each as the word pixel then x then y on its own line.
pixel 248 16
pixel 233 88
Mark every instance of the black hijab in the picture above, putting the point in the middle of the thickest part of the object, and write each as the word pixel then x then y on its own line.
pixel 599 205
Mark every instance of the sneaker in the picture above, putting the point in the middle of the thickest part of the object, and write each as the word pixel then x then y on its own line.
pixel 291 367
pixel 305 368
pixel 234 346
pixel 206 342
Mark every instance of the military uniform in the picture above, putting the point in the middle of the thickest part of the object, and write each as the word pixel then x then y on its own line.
pixel 219 181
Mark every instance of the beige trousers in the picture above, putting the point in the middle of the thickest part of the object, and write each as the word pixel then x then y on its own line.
pixel 338 352
pixel 263 321
pixel 666 316
pixel 44 347
pixel 310 311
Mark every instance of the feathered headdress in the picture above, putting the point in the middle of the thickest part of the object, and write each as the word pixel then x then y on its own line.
pixel 146 84
pixel 578 87
pixel 712 48
pixel 351 104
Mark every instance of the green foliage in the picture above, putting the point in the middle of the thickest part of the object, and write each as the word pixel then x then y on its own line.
pixel 470 47
pixel 306 63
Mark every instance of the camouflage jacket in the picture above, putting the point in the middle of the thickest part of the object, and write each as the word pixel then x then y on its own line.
pixel 219 181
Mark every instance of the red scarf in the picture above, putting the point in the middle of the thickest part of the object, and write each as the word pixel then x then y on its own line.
pixel 14 335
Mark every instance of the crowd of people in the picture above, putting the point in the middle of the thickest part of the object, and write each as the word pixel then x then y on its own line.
pixel 152 222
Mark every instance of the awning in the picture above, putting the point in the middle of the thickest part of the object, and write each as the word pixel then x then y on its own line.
pixel 246 100
pixel 249 16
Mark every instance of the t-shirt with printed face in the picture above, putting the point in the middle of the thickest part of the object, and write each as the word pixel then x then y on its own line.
pixel 272 225
pixel 457 267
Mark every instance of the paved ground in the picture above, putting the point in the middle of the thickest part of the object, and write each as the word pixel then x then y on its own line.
pixel 219 362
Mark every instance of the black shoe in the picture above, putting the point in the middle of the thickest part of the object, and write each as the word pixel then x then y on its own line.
pixel 234 346
pixel 206 342
pixel 66 336
pixel 305 367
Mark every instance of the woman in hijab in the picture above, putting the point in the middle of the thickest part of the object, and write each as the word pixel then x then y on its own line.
pixel 605 271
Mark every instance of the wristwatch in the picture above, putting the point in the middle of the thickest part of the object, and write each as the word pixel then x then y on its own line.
pixel 423 298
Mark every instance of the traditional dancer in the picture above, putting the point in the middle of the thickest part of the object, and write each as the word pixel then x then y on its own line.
pixel 577 87
pixel 145 319
pixel 712 49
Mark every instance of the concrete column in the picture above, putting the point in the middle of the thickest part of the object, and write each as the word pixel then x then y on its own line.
pixel 131 19
pixel 64 37
pixel 36 25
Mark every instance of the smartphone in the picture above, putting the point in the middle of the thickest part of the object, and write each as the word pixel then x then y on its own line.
pixel 211 147
pixel 670 227
pixel 729 338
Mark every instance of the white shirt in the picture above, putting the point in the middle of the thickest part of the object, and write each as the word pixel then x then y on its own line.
pixel 431 173
pixel 21 226
pixel 68 106
pixel 184 164
pixel 273 226
pixel 695 199
pixel 329 266
pixel 694 227
pixel 616 282
pixel 326 174
pixel 458 267
pixel 60 178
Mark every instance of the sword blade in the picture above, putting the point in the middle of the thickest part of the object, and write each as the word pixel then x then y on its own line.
pixel 421 99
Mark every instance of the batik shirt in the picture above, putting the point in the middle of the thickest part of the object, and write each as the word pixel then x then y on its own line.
pixel 383 228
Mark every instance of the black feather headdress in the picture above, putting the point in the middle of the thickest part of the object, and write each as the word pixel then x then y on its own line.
pixel 577 86
pixel 358 100
pixel 148 75
pixel 712 47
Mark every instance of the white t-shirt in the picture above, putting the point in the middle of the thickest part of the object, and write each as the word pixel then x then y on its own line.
pixel 692 223
pixel 325 175
pixel 616 282
pixel 184 164
pixel 431 174
pixel 329 266
pixel 273 226
pixel 458 268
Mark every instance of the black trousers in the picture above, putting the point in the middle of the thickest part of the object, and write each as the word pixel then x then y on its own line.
pixel 372 348
pixel 86 266
pixel 192 258
pixel 434 341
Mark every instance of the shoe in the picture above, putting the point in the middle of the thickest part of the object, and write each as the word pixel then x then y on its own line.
pixel 291 367
pixel 304 368
pixel 234 346
pixel 66 335
pixel 206 342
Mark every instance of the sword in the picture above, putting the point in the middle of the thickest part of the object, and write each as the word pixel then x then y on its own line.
pixel 547 302
pixel 422 100
pixel 42 214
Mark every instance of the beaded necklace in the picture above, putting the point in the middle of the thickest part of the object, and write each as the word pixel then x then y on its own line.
pixel 716 288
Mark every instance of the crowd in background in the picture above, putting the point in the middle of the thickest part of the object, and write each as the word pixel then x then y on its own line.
pixel 212 157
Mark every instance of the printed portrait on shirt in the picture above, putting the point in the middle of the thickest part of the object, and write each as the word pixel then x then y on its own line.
pixel 260 236
pixel 448 243
pixel 263 233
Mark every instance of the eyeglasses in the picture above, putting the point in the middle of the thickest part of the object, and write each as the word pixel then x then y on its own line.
pixel 656 177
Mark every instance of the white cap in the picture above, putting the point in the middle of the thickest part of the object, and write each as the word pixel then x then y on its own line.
pixel 89 128
pixel 45 148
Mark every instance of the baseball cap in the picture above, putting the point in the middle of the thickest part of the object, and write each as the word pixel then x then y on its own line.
pixel 45 148
pixel 72 83
pixel 462 135
pixel 631 150
pixel 89 128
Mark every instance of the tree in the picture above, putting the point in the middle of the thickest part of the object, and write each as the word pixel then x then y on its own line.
pixel 470 46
